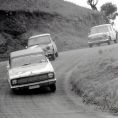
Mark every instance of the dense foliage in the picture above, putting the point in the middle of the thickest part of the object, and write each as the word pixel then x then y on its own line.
pixel 108 9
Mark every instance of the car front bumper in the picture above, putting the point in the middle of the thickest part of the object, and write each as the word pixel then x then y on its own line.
pixel 98 41
pixel 41 84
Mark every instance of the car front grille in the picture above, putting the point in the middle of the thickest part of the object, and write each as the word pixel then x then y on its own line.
pixel 32 79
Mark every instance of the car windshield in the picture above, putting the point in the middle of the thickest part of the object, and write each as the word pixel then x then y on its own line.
pixel 39 40
pixel 28 60
pixel 99 29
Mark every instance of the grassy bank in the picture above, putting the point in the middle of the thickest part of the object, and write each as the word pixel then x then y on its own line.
pixel 67 23
pixel 96 80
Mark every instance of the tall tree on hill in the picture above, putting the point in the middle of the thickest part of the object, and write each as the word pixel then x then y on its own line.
pixel 93 4
pixel 108 10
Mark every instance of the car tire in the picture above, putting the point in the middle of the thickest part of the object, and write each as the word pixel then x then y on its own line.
pixel 108 42
pixel 56 54
pixel 15 90
pixel 115 41
pixel 90 45
pixel 53 56
pixel 53 87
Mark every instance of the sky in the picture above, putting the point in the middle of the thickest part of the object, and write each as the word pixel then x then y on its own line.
pixel 100 2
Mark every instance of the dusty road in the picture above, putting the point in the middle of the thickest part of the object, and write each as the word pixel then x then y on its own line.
pixel 44 104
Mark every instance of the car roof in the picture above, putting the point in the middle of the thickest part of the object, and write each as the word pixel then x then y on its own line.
pixel 102 25
pixel 27 51
pixel 46 34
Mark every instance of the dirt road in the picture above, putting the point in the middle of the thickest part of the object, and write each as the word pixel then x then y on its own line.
pixel 44 104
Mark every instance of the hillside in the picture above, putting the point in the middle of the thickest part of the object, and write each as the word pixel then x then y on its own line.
pixel 95 78
pixel 67 23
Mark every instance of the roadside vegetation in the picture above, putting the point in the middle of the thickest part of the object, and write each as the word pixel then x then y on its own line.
pixel 67 23
pixel 95 79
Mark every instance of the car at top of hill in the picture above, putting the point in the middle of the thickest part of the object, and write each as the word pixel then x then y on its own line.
pixel 46 43
pixel 30 68
pixel 104 33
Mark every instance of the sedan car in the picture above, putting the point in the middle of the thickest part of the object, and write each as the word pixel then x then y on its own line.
pixel 46 43
pixel 30 68
pixel 102 34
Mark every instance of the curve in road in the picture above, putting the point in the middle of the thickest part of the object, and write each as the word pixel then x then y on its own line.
pixel 43 103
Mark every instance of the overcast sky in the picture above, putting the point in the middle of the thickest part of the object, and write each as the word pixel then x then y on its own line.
pixel 100 2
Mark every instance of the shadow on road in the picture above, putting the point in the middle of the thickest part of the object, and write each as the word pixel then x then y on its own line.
pixel 39 91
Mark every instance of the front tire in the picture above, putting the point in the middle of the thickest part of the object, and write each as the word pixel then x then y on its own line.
pixel 15 90
pixel 53 87
pixel 90 45
pixel 53 57
pixel 108 42
pixel 115 41
pixel 56 54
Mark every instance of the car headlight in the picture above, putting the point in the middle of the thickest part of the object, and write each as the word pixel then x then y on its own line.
pixel 14 82
pixel 51 75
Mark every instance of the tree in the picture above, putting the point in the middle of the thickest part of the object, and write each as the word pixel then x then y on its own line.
pixel 93 4
pixel 108 9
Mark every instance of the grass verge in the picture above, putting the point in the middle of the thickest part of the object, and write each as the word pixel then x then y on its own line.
pixel 96 79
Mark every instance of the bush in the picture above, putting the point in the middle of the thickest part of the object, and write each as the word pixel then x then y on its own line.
pixel 15 24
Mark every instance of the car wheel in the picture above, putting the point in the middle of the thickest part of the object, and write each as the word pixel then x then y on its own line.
pixel 90 45
pixel 15 90
pixel 56 54
pixel 108 42
pixel 115 41
pixel 53 56
pixel 53 87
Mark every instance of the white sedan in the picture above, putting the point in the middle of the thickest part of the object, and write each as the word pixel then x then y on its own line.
pixel 30 68
pixel 46 43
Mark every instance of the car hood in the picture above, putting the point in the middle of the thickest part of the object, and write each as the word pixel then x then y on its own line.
pixel 98 35
pixel 30 70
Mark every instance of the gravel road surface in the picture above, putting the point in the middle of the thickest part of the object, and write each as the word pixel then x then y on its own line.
pixel 43 103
